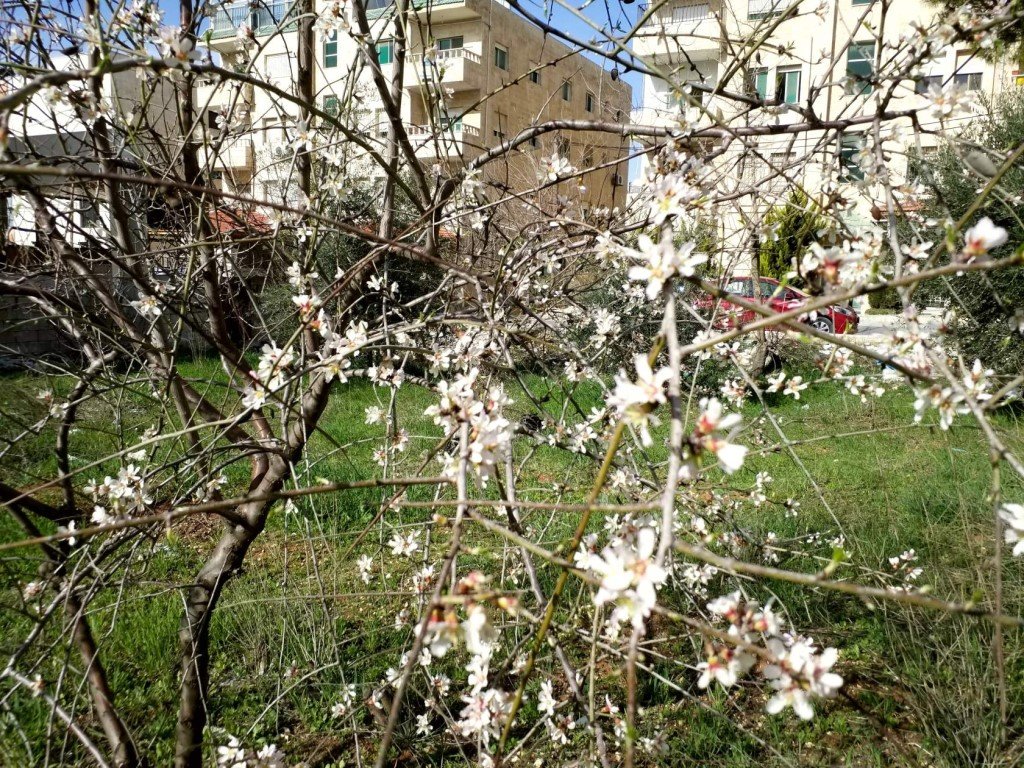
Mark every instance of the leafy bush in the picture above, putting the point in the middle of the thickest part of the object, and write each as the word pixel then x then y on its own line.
pixel 985 303
pixel 796 226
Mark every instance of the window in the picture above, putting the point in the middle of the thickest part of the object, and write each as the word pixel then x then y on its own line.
pixel 690 12
pixel 332 105
pixel 589 102
pixel 588 157
pixel 966 74
pixel 501 121
pixel 760 9
pixel 564 146
pixel 849 148
pixel 757 82
pixel 743 287
pixel 451 120
pixel 500 58
pixel 535 76
pixel 971 80
pixel 331 50
pixel 89 213
pixel 534 142
pixel 385 52
pixel 860 67
pixel 862 2
pixel 566 90
pixel 925 84
pixel 787 85
pixel 450 43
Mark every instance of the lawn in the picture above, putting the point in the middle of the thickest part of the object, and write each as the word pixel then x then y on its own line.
pixel 299 623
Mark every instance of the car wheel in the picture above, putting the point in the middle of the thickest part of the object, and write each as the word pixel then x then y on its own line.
pixel 821 323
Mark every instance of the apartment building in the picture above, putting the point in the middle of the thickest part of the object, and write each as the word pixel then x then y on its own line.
pixel 811 59
pixel 476 74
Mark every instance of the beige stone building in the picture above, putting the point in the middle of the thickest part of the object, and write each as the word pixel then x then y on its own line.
pixel 476 74
pixel 819 57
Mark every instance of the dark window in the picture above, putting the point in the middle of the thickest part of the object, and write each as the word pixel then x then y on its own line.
pixel 500 58
pixel 449 43
pixel 851 145
pixel 590 102
pixel 332 106
pixel 535 76
pixel 566 91
pixel 757 82
pixel 971 80
pixel 924 84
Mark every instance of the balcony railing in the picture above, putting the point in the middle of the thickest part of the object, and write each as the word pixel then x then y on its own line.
pixel 375 8
pixel 447 55
pixel 456 130
pixel 262 18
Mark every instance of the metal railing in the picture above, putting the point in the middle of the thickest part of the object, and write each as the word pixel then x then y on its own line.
pixel 447 55
pixel 429 131
pixel 262 18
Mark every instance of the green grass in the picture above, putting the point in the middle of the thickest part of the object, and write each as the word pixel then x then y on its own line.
pixel 886 484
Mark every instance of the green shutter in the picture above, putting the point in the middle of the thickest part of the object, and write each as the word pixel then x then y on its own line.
pixel 385 52
pixel 761 83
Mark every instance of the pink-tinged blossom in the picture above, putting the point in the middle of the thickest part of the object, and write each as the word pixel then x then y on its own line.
pixel 801 675
pixel 982 238
pixel 712 421
pixel 630 577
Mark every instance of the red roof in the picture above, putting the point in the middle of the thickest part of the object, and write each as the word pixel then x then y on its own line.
pixel 231 222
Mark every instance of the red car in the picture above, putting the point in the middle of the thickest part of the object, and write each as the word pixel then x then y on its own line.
pixel 832 319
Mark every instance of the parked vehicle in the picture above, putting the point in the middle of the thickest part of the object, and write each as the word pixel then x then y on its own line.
pixel 832 319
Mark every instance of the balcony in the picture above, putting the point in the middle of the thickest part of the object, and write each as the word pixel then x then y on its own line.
pixel 438 11
pixel 233 155
pixel 688 25
pixel 459 69
pixel 262 18
pixel 458 140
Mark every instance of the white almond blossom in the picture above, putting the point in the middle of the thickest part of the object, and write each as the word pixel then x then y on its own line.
pixel 629 577
pixel 1012 516
pixel 661 261
pixel 635 400
pixel 982 238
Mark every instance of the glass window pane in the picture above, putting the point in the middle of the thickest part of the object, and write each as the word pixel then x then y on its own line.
pixel 385 52
pixel 761 83
pixel 860 66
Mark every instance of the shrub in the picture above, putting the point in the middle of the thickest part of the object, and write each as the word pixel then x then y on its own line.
pixel 796 225
pixel 985 303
